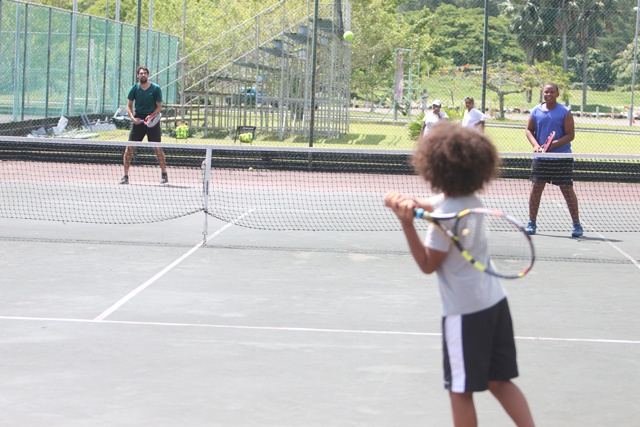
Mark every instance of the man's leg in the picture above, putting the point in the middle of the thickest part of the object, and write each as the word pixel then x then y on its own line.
pixel 572 201
pixel 135 134
pixel 534 199
pixel 126 159
pixel 162 160
pixel 155 135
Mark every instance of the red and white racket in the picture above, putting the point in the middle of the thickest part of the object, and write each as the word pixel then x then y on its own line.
pixel 547 144
pixel 152 120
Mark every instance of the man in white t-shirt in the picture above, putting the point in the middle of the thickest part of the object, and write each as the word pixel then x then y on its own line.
pixel 432 117
pixel 473 118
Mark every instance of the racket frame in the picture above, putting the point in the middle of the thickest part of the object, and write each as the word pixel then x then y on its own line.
pixel 436 219
pixel 152 120
pixel 547 144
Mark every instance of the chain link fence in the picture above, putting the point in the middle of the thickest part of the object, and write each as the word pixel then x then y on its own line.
pixel 57 63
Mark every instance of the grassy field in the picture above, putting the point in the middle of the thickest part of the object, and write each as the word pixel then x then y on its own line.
pixel 508 137
pixel 452 91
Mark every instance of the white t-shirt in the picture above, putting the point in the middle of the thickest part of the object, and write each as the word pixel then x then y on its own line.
pixel 430 119
pixel 463 288
pixel 473 117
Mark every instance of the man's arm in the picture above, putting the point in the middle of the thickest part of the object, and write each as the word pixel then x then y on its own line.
pixel 569 132
pixel 158 95
pixel 130 112
pixel 157 110
pixel 482 118
pixel 530 132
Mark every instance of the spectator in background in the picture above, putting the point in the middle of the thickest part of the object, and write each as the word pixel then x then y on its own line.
pixel 473 118
pixel 432 117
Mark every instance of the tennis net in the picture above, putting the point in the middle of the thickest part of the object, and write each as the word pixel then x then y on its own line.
pixel 280 188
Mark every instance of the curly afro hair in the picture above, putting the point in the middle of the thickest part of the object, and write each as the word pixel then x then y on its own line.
pixel 456 160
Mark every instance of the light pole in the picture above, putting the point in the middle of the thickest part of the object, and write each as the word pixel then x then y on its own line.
pixel 484 54
pixel 314 61
pixel 635 65
pixel 137 43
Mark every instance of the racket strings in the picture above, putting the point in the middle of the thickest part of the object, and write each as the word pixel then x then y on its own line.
pixel 496 242
pixel 510 250
pixel 472 232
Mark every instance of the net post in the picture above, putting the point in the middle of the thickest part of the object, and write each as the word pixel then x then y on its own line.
pixel 206 178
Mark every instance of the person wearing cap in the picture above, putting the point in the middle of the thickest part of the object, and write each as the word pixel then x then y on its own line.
pixel 473 118
pixel 432 117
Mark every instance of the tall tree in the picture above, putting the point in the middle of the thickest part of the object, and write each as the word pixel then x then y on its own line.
pixel 562 14
pixel 459 35
pixel 505 79
pixel 593 16
pixel 380 30
pixel 529 26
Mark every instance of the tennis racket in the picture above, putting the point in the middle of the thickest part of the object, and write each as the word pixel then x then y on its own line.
pixel 508 254
pixel 152 119
pixel 547 143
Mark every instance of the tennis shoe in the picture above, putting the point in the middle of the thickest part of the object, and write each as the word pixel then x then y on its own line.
pixel 531 228
pixel 164 178
pixel 125 179
pixel 578 231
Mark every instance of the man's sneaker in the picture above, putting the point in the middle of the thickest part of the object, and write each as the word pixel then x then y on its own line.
pixel 577 230
pixel 531 227
pixel 125 179
pixel 164 178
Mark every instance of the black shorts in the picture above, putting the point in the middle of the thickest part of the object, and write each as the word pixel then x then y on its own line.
pixel 478 348
pixel 138 132
pixel 552 171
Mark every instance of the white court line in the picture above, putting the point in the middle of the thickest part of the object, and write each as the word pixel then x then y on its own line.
pixel 165 270
pixel 609 242
pixel 617 248
pixel 291 329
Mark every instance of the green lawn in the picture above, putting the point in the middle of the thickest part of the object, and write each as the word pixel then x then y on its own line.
pixel 376 135
pixel 453 92
pixel 514 140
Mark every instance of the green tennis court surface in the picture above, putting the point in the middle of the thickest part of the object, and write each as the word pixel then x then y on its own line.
pixel 110 325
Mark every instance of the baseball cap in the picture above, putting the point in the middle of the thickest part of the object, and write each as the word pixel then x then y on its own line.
pixel 437 102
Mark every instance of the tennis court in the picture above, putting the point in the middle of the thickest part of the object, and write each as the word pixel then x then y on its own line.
pixel 141 324
pixel 290 328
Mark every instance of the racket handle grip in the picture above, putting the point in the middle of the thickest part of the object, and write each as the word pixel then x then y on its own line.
pixel 418 212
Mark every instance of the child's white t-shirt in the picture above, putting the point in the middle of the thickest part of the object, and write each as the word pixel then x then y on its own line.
pixel 463 288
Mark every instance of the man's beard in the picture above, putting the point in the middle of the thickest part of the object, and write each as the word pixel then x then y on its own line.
pixel 143 79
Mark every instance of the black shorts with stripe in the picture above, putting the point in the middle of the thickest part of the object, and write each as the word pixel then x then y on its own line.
pixel 478 348
pixel 553 171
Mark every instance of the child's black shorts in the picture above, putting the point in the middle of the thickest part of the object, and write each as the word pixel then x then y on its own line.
pixel 478 347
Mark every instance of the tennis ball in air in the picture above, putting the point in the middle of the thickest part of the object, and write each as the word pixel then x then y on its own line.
pixel 348 36
pixel 250 168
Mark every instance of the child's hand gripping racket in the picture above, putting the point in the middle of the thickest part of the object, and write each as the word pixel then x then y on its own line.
pixel 509 255
pixel 548 142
